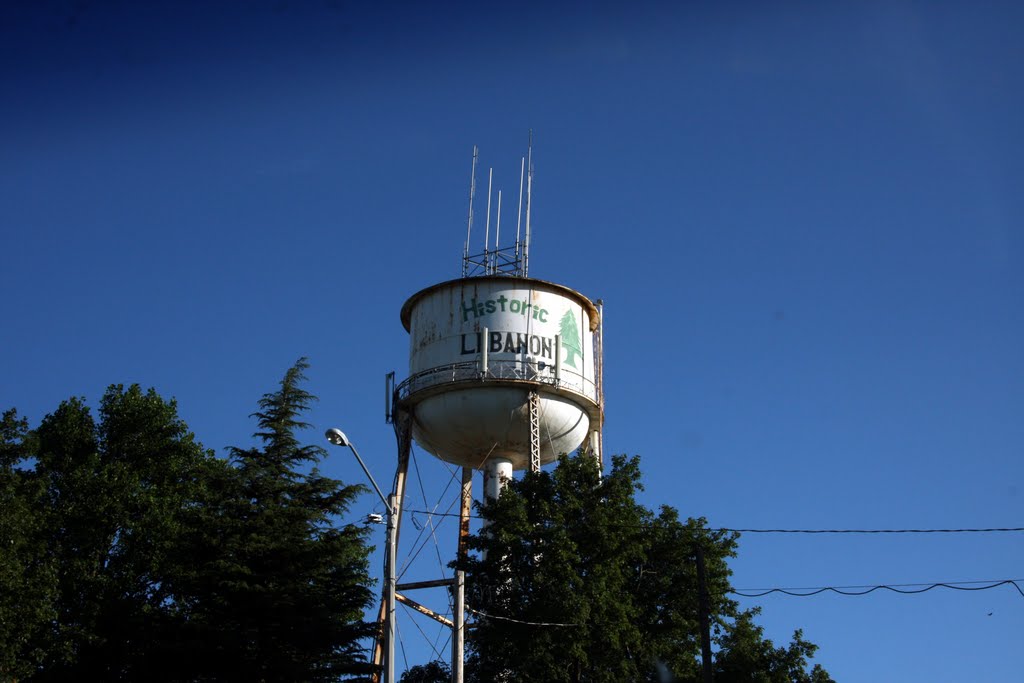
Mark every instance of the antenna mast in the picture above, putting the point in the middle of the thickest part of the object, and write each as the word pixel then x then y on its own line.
pixel 497 236
pixel 469 221
pixel 487 230
pixel 519 217
pixel 512 260
pixel 529 194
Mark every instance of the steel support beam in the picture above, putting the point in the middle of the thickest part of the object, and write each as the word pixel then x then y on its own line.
pixel 416 585
pixel 459 587
pixel 534 431
pixel 422 609
pixel 402 422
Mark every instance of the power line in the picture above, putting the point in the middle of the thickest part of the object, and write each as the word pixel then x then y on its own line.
pixel 874 531
pixel 973 530
pixel 518 621
pixel 904 588
pixel 433 645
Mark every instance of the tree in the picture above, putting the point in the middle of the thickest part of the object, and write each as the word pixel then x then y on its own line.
pixel 129 552
pixel 277 589
pixel 572 580
pixel 107 499
pixel 436 671
pixel 27 575
pixel 744 650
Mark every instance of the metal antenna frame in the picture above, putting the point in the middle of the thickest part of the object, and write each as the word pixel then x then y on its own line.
pixel 469 220
pixel 497 238
pixel 513 260
pixel 487 229
pixel 529 197
pixel 519 216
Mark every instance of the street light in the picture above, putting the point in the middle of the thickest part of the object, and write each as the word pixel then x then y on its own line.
pixel 338 438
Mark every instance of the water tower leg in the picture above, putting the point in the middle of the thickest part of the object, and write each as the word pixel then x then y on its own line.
pixel 459 597
pixel 402 420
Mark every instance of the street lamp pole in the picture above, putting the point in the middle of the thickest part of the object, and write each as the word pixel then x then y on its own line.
pixel 338 438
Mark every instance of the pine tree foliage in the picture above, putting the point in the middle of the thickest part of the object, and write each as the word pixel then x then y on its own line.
pixel 436 671
pixel 128 552
pixel 279 588
pixel 744 651
pixel 572 580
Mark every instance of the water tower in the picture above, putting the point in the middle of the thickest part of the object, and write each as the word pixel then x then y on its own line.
pixel 504 374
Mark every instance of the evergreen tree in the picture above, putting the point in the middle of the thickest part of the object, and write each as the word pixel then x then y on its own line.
pixel 572 580
pixel 129 552
pixel 744 650
pixel 278 588
pixel 436 671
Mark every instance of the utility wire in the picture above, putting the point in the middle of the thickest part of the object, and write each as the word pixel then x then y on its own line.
pixel 433 645
pixel 874 531
pixel 516 621
pixel 430 521
pixel 904 588
pixel 401 642
pixel 432 513
pixel 976 530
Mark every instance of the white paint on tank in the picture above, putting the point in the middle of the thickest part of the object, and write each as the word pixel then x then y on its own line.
pixel 470 425
pixel 530 334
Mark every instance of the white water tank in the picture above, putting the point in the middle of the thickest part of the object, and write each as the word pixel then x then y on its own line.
pixel 478 347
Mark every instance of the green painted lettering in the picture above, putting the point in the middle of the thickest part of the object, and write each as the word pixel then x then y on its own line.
pixel 466 310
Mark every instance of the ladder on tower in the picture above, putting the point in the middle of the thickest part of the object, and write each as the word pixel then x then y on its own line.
pixel 534 431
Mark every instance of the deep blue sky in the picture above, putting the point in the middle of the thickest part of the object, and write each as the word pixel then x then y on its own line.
pixel 805 220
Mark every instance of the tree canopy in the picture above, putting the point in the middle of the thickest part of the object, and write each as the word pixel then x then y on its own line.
pixel 280 588
pixel 436 671
pixel 572 580
pixel 130 552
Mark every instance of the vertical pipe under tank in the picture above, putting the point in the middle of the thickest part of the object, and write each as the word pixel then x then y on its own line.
pixel 497 473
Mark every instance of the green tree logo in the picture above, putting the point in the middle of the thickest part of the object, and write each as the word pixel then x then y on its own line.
pixel 570 334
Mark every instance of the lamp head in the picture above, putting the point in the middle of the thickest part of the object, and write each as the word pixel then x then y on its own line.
pixel 336 436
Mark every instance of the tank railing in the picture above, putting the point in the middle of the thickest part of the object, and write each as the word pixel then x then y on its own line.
pixel 469 371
